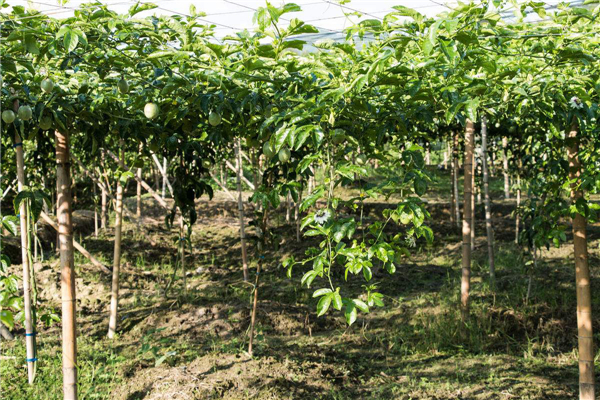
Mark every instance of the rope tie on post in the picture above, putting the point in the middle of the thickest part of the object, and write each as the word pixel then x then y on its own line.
pixel 17 145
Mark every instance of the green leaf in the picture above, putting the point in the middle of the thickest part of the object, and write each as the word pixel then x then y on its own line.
pixel 323 304
pixel 6 317
pixel 361 305
pixel 351 313
pixel 337 300
pixel 321 292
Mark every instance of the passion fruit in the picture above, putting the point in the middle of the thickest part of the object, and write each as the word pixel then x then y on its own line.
pixel 25 113
pixel 123 86
pixel 8 116
pixel 214 118
pixel 268 150
pixel 338 136
pixel 46 123
pixel 151 110
pixel 361 159
pixel 47 85
pixel 284 155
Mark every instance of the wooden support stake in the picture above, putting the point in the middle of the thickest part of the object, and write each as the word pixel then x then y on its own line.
pixel 582 275
pixel 65 237
pixel 77 246
pixel 467 221
pixel 488 208
pixel 246 181
pixel 238 173
pixel 25 252
pixel 114 295
pixel 156 196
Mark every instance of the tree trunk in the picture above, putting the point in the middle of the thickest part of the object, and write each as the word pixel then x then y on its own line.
pixel 25 254
pixel 505 167
pixel 582 276
pixel 65 235
pixel 467 222
pixel 238 173
pixel 488 209
pixel 114 294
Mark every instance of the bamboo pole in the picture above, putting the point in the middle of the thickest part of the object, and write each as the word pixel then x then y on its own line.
pixel 467 222
pixel 582 275
pixel 76 244
pixel 455 168
pixel 95 211
pixel 114 295
pixel 165 180
pixel 104 188
pixel 238 173
pixel 138 210
pixel 222 186
pixel 518 216
pixel 182 237
pixel 297 212
pixel 104 213
pixel 488 209
pixel 163 172
pixel 65 235
pixel 160 200
pixel 473 189
pixel 254 308
pixel 505 167
pixel 25 253
pixel 246 181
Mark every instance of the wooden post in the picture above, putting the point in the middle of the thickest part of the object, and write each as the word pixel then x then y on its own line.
pixel 488 209
pixel 95 210
pixel 467 221
pixel 114 295
pixel 25 253
pixel 238 172
pixel 288 210
pixel 65 237
pixel 77 246
pixel 446 153
pixel 102 186
pixel 103 214
pixel 160 200
pixel 505 167
pixel 473 189
pixel 138 211
pixel 182 237
pixel 164 174
pixel 582 275
pixel 518 215
pixel 297 212
pixel 455 170
pixel 254 307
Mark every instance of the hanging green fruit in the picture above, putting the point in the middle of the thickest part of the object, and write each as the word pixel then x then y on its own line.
pixel 151 110
pixel 8 116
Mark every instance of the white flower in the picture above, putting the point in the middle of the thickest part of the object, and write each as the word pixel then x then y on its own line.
pixel 576 103
pixel 410 241
pixel 322 216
